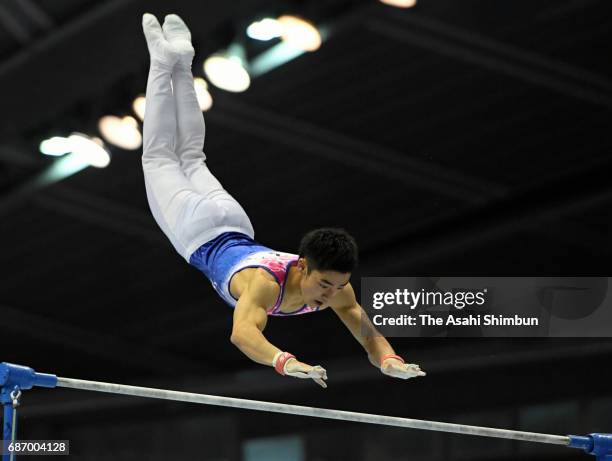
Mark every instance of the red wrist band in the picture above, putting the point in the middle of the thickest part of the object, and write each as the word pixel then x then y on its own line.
pixel 279 366
pixel 391 356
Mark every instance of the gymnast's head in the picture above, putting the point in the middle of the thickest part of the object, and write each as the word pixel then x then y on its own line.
pixel 327 257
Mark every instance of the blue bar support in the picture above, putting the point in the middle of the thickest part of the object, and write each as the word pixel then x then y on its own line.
pixel 17 377
pixel 596 444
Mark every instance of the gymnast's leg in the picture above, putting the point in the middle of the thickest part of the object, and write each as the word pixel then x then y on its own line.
pixel 191 130
pixel 187 217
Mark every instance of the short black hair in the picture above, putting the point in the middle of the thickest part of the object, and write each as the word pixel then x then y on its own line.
pixel 329 249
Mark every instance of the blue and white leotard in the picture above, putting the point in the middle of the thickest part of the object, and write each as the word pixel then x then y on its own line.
pixel 224 256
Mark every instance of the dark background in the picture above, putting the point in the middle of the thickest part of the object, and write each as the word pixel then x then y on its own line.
pixel 464 138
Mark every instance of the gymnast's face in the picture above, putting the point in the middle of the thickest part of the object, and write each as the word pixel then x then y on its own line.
pixel 320 287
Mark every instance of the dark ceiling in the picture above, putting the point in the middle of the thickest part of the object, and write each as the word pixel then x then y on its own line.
pixel 455 138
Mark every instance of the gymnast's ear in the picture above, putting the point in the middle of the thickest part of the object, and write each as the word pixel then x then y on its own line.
pixel 302 264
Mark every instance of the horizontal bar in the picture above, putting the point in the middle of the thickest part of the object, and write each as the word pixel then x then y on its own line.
pixel 309 411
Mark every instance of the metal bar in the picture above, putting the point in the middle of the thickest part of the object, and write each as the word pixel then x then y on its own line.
pixel 309 411
pixel 262 384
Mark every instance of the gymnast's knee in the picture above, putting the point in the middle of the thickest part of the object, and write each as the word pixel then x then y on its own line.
pixel 158 154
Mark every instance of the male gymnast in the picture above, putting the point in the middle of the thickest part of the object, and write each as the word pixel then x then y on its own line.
pixel 208 227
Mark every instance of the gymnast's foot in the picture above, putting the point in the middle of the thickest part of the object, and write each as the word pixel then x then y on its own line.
pixel 177 34
pixel 160 50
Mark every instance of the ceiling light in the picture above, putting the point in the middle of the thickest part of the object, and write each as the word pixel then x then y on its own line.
pixel 300 33
pixel 227 71
pixel 121 132
pixel 400 3
pixel 55 146
pixel 138 106
pixel 204 97
pixel 264 30
pixel 89 150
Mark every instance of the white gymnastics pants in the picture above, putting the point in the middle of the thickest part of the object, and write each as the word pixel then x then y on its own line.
pixel 187 201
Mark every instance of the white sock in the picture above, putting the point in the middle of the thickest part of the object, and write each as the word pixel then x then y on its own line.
pixel 178 35
pixel 159 48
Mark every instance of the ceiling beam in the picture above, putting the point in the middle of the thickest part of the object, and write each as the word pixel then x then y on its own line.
pixel 352 152
pixel 467 46
pixel 13 25
pixel 35 14
pixel 531 210
pixel 105 346
pixel 102 212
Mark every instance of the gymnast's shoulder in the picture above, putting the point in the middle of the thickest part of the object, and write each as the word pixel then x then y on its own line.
pixel 262 288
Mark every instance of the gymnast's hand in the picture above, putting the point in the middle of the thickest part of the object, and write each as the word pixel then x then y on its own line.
pixel 287 365
pixel 301 370
pixel 395 367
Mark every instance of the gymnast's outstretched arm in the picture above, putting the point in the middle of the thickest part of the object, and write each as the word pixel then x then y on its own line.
pixel 250 318
pixel 380 353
